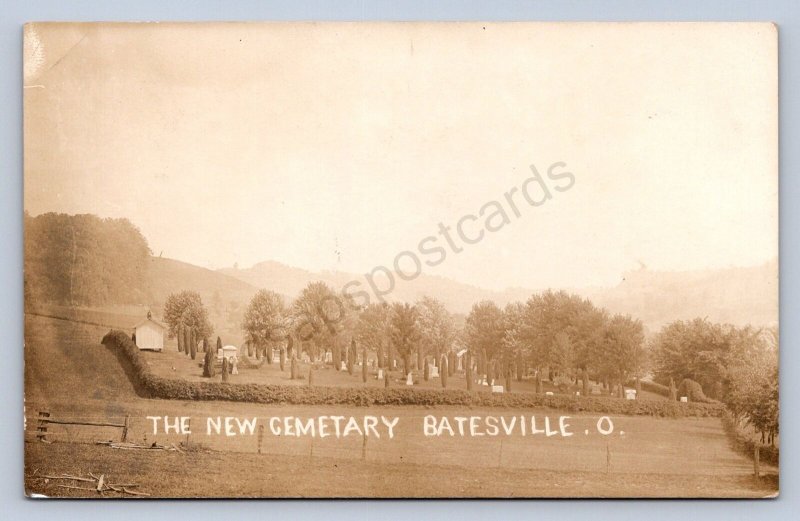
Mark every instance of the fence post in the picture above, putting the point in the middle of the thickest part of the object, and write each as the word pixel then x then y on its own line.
pixel 125 428
pixel 364 447
pixel 756 462
pixel 500 454
pixel 41 426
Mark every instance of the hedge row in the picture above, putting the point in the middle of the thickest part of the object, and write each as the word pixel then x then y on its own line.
pixel 688 388
pixel 746 445
pixel 655 388
pixel 165 388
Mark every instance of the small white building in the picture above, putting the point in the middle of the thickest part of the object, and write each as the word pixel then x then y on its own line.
pixel 149 334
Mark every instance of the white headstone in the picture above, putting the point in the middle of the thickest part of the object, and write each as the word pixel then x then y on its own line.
pixel 328 357
pixel 549 393
pixel 497 388
pixel 380 374
pixel 433 371
pixel 630 394
pixel 410 379
pixel 344 366
pixel 685 399
pixel 577 393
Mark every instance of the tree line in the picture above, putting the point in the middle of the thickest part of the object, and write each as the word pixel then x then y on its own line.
pixel 554 335
pixel 84 260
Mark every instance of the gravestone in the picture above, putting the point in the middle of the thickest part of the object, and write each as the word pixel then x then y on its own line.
pixel 344 366
pixel 410 379
pixel 684 399
pixel 630 394
pixel 380 374
pixel 549 393
pixel 497 389
pixel 434 371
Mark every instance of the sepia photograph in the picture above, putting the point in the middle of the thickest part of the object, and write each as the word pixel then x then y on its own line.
pixel 401 260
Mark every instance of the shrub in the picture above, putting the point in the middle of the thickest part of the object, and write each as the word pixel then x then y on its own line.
pixel 154 386
pixel 652 387
pixel 364 364
pixel 692 390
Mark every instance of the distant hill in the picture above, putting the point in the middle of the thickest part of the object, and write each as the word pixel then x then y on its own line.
pixel 170 276
pixel 735 295
pixel 290 281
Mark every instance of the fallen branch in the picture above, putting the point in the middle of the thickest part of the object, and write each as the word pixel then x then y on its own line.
pixel 134 493
pixel 101 484
pixel 74 478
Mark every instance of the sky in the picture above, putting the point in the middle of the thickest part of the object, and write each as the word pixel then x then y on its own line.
pixel 339 146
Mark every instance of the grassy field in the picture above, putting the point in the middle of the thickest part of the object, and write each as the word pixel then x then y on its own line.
pixel 72 376
pixel 213 474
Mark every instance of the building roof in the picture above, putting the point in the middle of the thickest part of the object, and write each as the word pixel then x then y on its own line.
pixel 143 322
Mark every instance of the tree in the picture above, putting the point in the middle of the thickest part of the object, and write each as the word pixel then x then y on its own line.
pixel 265 322
pixel 192 344
pixel 180 337
pixel 84 260
pixel 364 364
pixel 324 319
pixel 403 332
pixel 701 351
pixel 468 370
pixel 445 365
pixel 372 330
pixel 484 331
pixel 621 354
pixel 187 340
pixel 753 383
pixel 513 345
pixel 186 309
pixel 208 364
pixel 436 328
pixel 351 356
pixel 560 331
